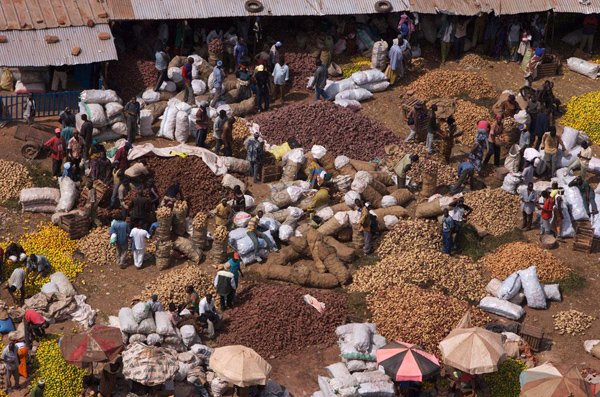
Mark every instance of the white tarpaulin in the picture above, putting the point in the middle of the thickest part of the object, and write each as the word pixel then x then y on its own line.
pixel 214 162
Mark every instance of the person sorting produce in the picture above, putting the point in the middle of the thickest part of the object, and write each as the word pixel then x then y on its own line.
pixel 254 234
pixel 320 199
pixel 39 265
pixel 223 213
pixel 403 166
pixel 15 253
pixel 16 282
pixel 225 286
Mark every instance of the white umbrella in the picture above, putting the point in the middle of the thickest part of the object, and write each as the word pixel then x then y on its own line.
pixel 473 350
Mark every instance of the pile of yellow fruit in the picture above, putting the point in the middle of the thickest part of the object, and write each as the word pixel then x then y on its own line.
pixel 62 379
pixel 583 113
pixel 53 243
pixel 356 65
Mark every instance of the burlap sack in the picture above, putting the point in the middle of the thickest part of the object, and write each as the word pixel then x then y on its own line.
pixel 337 268
pixel 380 187
pixel 290 171
pixel 383 177
pixel 330 227
pixel 300 245
pixel 179 214
pixel 163 231
pixel 430 209
pixel 164 263
pixel 429 184
pixel 340 207
pixel 281 199
pixel 402 196
pixel 186 247
pixel 285 256
pixel 343 252
pixel 307 278
pixel 373 196
pixel 360 165
pixel 358 238
pixel 395 210
pixel 328 162
pixel 199 238
pixel 218 251
pixel 163 249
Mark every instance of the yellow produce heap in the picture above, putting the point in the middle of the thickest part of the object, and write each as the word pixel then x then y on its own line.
pixel 511 257
pixel 96 249
pixel 494 210
pixel 170 286
pixel 419 316
pixel 451 84
pixel 583 113
pixel 572 322
pixel 456 276
pixel 15 178
pixel 356 65
pixel 410 234
pixel 467 115
pixel 62 379
pixel 53 243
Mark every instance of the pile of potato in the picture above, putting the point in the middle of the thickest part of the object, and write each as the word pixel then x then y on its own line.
pixel 456 276
pixel 494 210
pixel 410 234
pixel 96 248
pixel 170 287
pixel 15 178
pixel 415 315
pixel 572 322
pixel 467 115
pixel 427 164
pixel 511 257
pixel 450 84
pixel 473 61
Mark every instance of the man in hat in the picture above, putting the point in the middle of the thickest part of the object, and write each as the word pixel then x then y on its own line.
pixel 509 107
pixel 235 264
pixel 39 265
pixel 466 170
pixel 263 80
pixel 15 253
pixel 208 314
pixel 35 326
pixel 217 89
pixel 75 147
pixel 57 147
pixel 16 282
pixel 186 73
pixel 274 54
pixel 161 64
pixel 225 285
pixel 447 229
pixel 403 166
pixel 281 77
pixel 87 132
pixel 202 124
pixel 223 213
pixel 38 390
pixel 11 361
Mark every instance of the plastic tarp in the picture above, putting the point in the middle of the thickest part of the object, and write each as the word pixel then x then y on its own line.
pixel 214 162
pixel 581 66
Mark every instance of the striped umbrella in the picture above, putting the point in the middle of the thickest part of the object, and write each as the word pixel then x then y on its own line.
pixel 406 362
pixel 547 381
pixel 99 343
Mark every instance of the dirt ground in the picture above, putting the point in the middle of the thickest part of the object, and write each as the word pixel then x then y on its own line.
pixel 109 288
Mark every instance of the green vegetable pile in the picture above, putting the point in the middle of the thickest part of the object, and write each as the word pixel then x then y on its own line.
pixel 505 382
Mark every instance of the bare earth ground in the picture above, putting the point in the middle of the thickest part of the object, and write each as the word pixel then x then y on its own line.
pixel 109 288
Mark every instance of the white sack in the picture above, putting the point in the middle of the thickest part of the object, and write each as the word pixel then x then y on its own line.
pixel 552 292
pixel 348 103
pixel 182 127
pixel 68 194
pixel 126 320
pixel 146 119
pixel 199 87
pixel 163 324
pixel 534 292
pixel 113 109
pixel 510 287
pixel 151 96
pixel 101 97
pixel 63 283
pixel 168 86
pixel 501 308
pixel 147 326
pixel 342 85
pixel 95 113
pixel 119 128
pixel 388 201
pixel 575 202
pixel 174 74
pixel 578 65
pixel 376 86
pixel 141 311
pixel 368 76
pixel 356 94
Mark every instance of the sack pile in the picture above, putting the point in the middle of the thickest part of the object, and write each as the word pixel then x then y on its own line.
pixel 39 199
pixel 104 109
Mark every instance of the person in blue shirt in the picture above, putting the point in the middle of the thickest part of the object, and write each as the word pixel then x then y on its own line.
pixel 240 51
pixel 119 232
pixel 447 229
pixel 466 170
pixel 235 267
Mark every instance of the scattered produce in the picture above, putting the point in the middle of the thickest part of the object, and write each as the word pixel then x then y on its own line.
pixel 54 244
pixel 131 75
pixel 511 257
pixel 96 248
pixel 449 84
pixel 302 66
pixel 15 178
pixel 467 115
pixel 170 286
pixel 62 379
pixel 356 64
pixel 201 188
pixel 279 329
pixel 473 61
pixel 583 113
pixel 494 222
pixel 572 322
pixel 415 234
pixel 427 165
pixel 322 123
pixel 456 276
pixel 505 382
pixel 415 315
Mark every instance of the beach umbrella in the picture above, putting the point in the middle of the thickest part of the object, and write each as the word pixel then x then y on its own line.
pixel 149 365
pixel 98 344
pixel 240 365
pixel 545 380
pixel 473 350
pixel 406 362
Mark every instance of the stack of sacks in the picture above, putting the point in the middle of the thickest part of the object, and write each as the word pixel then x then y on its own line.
pixel 357 374
pixel 506 296
pixel 572 139
pixel 39 199
pixel 193 364
pixel 175 123
pixel 240 242
pixel 104 109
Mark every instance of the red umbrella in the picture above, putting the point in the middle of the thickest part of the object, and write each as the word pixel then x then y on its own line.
pixel 407 362
pixel 99 343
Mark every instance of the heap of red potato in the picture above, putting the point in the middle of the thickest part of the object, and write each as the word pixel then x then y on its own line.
pixel 302 66
pixel 200 186
pixel 130 75
pixel 340 130
pixel 274 320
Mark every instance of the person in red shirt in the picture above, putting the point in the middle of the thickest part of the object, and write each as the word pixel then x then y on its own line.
pixel 547 208
pixel 186 73
pixel 121 157
pixel 57 147
pixel 35 326
pixel 590 26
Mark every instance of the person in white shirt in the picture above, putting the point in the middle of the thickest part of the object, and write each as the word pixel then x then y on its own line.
pixel 583 160
pixel 138 245
pixel 208 314
pixel 281 76
pixel 459 214
pixel 17 282
pixel 155 305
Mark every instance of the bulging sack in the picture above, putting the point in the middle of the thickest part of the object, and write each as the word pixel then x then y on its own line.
pixel 356 94
pixel 534 292
pixel 501 308
pixel 510 287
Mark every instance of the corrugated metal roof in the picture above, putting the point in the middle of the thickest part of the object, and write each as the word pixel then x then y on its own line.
pixel 29 47
pixel 511 7
pixel 329 7
pixel 575 6
pixel 44 14
pixel 452 7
